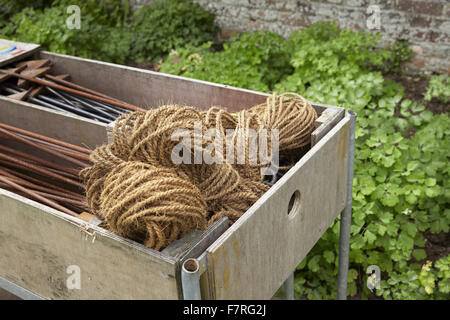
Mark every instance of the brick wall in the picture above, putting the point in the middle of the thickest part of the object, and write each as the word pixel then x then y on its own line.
pixel 426 24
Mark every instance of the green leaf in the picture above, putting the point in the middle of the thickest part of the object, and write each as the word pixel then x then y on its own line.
pixel 329 256
pixel 313 263
pixel 352 275
pixel 390 200
pixel 411 229
pixel 419 254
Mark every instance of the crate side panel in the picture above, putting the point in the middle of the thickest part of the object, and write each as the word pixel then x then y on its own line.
pixel 149 89
pixel 37 247
pixel 54 124
pixel 257 253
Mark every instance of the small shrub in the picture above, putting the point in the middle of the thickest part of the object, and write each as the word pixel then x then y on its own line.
pixel 168 24
pixel 253 60
pixel 439 87
pixel 100 37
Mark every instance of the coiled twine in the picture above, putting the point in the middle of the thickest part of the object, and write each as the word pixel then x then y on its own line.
pixel 142 194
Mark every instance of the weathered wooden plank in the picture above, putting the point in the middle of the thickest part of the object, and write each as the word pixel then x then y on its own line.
pixel 38 244
pixel 259 251
pixel 23 50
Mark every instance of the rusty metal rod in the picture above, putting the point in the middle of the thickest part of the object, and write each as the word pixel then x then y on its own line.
pixel 38 197
pixel 39 160
pixel 63 150
pixel 63 173
pixel 42 183
pixel 63 201
pixel 81 93
pixel 31 185
pixel 77 86
pixel 45 138
pixel 25 165
pixel 66 152
pixel 55 153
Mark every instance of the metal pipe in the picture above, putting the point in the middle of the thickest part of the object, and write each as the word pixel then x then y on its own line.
pixel 110 107
pixel 87 105
pixel 36 100
pixel 78 111
pixel 63 106
pixel 31 185
pixel 46 145
pixel 21 164
pixel 190 279
pixel 37 196
pixel 77 86
pixel 39 160
pixel 346 215
pixel 55 153
pixel 289 287
pixel 69 153
pixel 50 196
pixel 41 182
pixel 81 93
pixel 45 138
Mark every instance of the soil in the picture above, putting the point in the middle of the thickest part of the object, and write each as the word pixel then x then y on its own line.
pixel 437 245
pixel 415 89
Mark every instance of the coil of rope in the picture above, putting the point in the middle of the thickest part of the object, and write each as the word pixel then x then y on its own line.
pixel 137 189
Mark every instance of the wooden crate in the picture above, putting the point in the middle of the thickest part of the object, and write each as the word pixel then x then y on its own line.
pixel 249 260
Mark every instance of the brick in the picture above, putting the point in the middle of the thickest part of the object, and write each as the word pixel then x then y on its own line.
pixel 296 19
pixel 419 21
pixel 418 50
pixel 421 7
pixel 443 25
pixel 446 12
pixel 416 62
pixel 357 3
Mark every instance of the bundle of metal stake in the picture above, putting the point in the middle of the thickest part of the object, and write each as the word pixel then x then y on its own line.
pixel 24 82
pixel 54 184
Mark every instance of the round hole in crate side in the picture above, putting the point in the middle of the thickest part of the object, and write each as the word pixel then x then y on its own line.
pixel 294 204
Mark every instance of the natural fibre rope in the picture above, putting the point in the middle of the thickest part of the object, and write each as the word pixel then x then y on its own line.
pixel 141 194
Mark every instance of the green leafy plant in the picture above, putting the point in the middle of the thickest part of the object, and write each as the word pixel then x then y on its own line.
pixel 254 60
pixel 399 52
pixel 168 24
pixel 401 189
pixel 401 179
pixel 8 8
pixel 100 36
pixel 439 87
